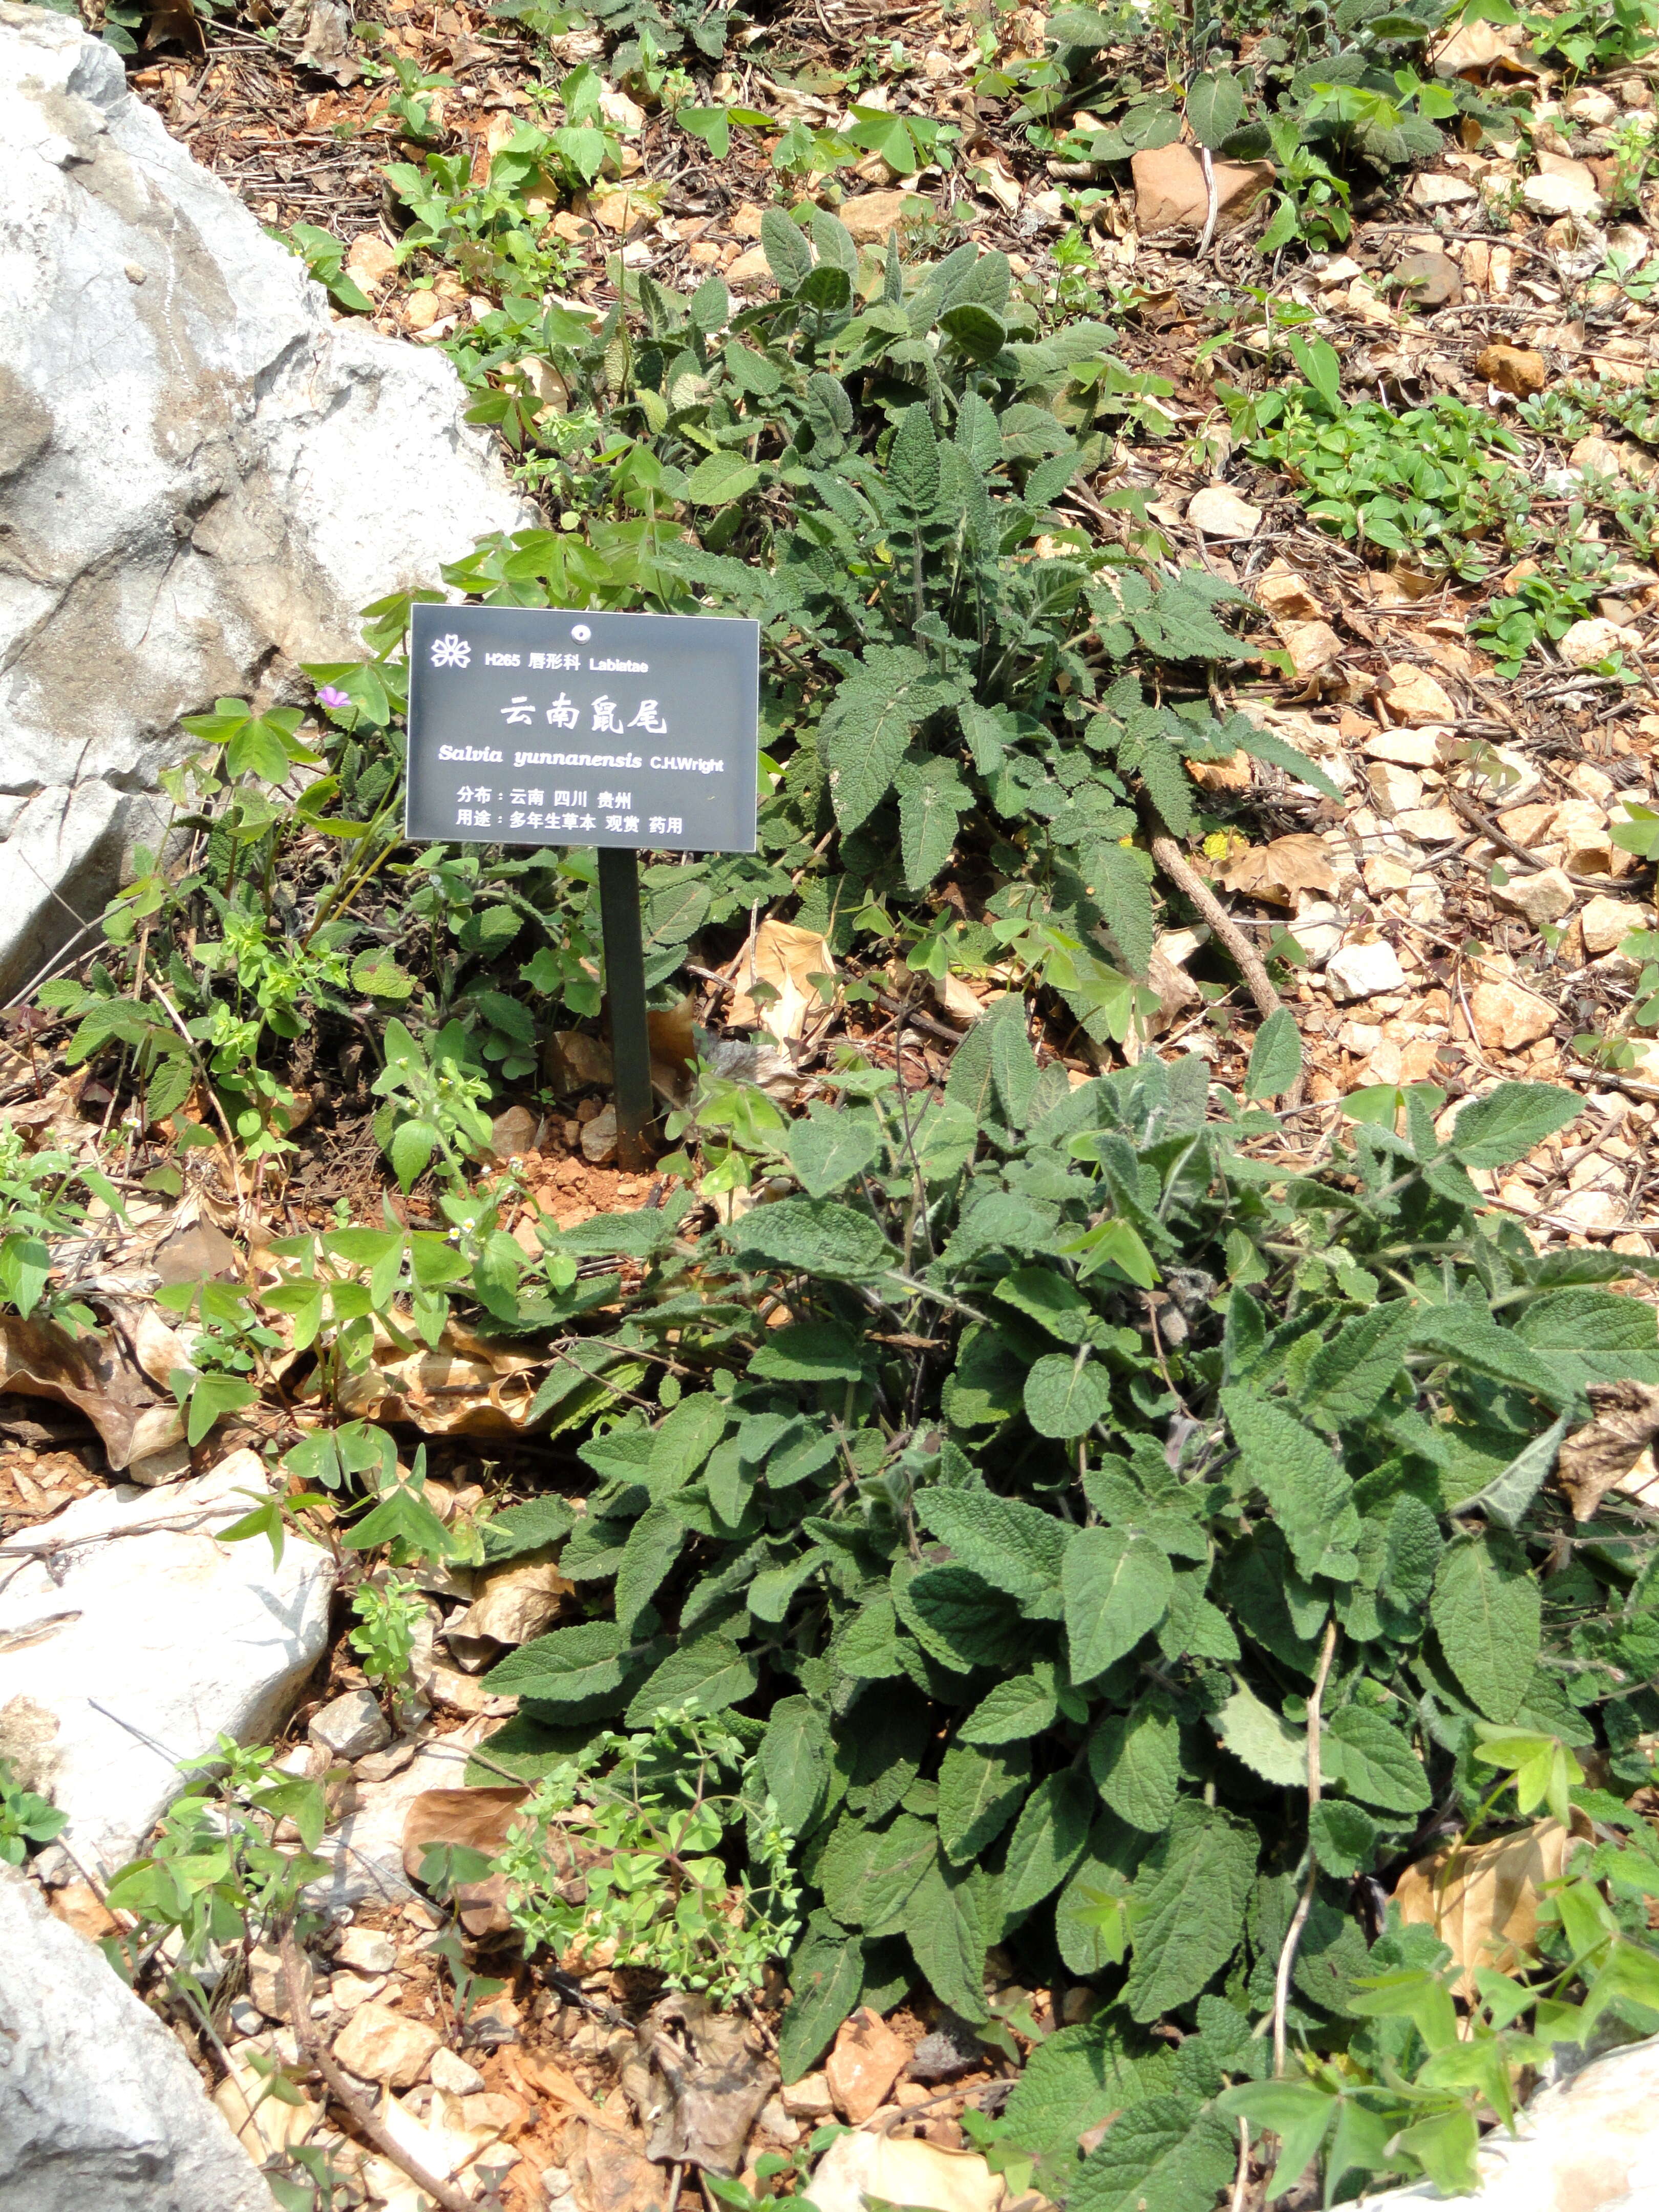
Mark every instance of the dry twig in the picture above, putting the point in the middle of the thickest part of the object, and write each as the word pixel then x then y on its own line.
pixel 1304 1903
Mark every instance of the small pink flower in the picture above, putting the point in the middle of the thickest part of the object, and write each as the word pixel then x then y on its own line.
pixel 332 696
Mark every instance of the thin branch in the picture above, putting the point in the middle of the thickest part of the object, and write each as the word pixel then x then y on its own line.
pixel 1180 873
pixel 1304 1903
pixel 304 2029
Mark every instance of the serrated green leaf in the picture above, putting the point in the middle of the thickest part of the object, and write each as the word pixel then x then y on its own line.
pixel 826 1978
pixel 810 1351
pixel 827 1150
pixel 1352 1372
pixel 1017 1548
pixel 870 721
pixel 1190 1898
pixel 1116 1588
pixel 947 1932
pixel 814 1236
pixel 1302 1480
pixel 1362 1753
pixel 1504 1126
pixel 1136 1760
pixel 1049 1838
pixel 961 1620
pixel 1254 1733
pixel 933 800
pixel 787 254
pixel 979 1793
pixel 710 1673
pixel 1275 1057
pixel 1065 1397
pixel 1487 1612
pixel 1165 2154
pixel 794 1760
pixel 913 463
pixel 1014 1711
pixel 1092 1914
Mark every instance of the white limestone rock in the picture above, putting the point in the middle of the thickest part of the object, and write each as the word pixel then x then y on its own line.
pixel 98 2106
pixel 150 1643
pixel 203 476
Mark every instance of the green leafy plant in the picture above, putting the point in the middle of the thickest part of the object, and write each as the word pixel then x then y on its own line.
pixel 1099 1461
pixel 388 1613
pixel 325 259
pixel 433 1097
pixel 658 1812
pixel 27 1821
pixel 40 1199
pixel 1594 36
pixel 1433 482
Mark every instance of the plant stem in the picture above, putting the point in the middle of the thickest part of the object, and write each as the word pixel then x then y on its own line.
pixel 1304 1903
pixel 451 2199
pixel 1181 871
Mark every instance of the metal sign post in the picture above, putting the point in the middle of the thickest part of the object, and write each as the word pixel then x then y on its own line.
pixel 541 726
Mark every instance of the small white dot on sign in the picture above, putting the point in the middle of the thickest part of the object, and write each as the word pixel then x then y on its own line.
pixel 581 633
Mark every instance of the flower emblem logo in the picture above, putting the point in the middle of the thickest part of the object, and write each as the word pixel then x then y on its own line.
pixel 450 651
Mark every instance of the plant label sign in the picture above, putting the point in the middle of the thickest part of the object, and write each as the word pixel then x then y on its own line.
pixel 533 726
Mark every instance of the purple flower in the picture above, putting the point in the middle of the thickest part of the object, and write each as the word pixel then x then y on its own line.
pixel 332 696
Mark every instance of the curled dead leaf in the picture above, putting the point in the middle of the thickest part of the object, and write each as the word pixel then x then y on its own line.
pixel 785 959
pixel 1607 1453
pixel 459 1387
pixel 115 1377
pixel 473 1819
pixel 1278 870
pixel 702 2077
pixel 1484 1902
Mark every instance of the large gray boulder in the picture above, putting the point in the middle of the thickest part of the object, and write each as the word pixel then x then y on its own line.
pixel 203 476
pixel 100 2108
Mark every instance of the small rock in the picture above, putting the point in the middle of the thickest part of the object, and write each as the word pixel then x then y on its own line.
pixel 871 217
pixel 1430 190
pixel 1313 646
pixel 1607 922
pixel 513 1133
pixel 1588 643
pixel 378 2045
pixel 746 222
pixel 452 2072
pixel 1588 104
pixel 1598 1212
pixel 347 1991
pixel 1430 280
pixel 513 1602
pixel 1220 513
pixel 1407 748
pixel 1594 456
pixel 1513 369
pixel 599 1137
pixel 1318 930
pixel 1553 195
pixel 1411 695
pixel 1170 194
pixel 1582 829
pixel 750 268
pixel 1546 896
pixel 809 2099
pixel 1430 826
pixel 1392 789
pixel 621 113
pixel 867 2059
pixel 266 1985
pixel 1289 596
pixel 370 1950
pixel 371 260
pixel 382 1765
pixel 350 1727
pixel 951 2050
pixel 623 213
pixel 774 2122
pixel 1506 1016
pixel 1361 970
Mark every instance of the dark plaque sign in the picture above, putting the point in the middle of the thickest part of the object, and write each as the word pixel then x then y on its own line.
pixel 531 725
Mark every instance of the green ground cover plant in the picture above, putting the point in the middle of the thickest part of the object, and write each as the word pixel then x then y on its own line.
pixel 1097 1465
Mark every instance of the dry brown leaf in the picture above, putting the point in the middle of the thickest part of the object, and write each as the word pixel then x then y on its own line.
pixel 701 2078
pixel 1607 1453
pixel 102 1375
pixel 1277 872
pixel 783 957
pixel 1484 1903
pixel 860 2169
pixel 460 1387
pixel 512 1603
pixel 478 1820
pixel 609 2172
